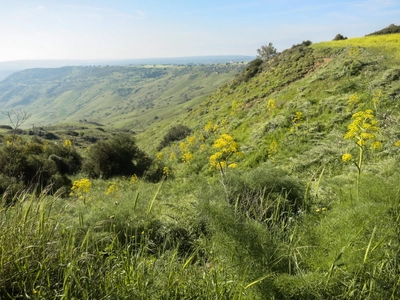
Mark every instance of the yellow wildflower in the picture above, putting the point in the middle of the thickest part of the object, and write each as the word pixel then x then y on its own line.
pixel 271 105
pixel 347 157
pixel 67 144
pixel 81 187
pixel 187 157
pixel 134 179
pixel 159 156
pixel 166 171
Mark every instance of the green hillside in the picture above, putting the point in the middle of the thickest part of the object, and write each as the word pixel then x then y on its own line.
pixel 314 90
pixel 116 96
pixel 280 184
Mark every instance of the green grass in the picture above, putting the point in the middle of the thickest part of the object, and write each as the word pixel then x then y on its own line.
pixel 149 241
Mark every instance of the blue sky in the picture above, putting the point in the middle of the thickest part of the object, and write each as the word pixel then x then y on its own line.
pixel 122 29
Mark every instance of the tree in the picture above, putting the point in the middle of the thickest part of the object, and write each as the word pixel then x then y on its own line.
pixel 267 51
pixel 339 37
pixel 176 133
pixel 116 157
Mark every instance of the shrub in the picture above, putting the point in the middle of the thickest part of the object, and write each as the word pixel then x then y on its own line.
pixel 392 28
pixel 35 165
pixel 339 37
pixel 251 70
pixel 117 156
pixel 176 133
pixel 66 158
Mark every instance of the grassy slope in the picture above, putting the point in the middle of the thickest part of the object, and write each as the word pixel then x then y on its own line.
pixel 114 96
pixel 329 75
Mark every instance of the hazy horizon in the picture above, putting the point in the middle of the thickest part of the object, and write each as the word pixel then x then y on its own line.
pixel 137 29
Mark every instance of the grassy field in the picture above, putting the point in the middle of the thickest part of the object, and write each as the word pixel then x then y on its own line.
pixel 286 187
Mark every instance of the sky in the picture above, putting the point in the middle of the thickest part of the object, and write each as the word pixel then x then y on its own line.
pixel 129 29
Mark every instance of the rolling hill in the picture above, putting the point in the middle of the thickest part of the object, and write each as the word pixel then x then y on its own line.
pixel 118 96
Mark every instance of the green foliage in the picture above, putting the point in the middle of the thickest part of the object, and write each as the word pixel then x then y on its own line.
pixel 267 51
pixel 116 157
pixel 339 37
pixel 251 70
pixel 388 30
pixel 36 165
pixel 175 133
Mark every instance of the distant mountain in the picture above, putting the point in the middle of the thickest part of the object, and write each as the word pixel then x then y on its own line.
pixel 9 67
pixel 5 73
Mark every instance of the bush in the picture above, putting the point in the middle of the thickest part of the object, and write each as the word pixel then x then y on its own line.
pixel 251 70
pixel 35 165
pixel 392 28
pixel 176 133
pixel 118 156
pixel 67 159
pixel 339 37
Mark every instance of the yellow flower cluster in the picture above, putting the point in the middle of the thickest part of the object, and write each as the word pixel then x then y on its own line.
pixel 67 144
pixel 80 187
pixel 216 161
pixel 354 100
pixel 271 105
pixel 160 156
pixel 134 179
pixel 166 172
pixel 172 156
pixel 347 157
pixel 235 106
pixel 187 157
pixel 191 139
pixel 226 144
pixel 183 147
pixel 210 127
pixel 397 144
pixel 227 147
pixel 363 128
pixel 112 189
pixel 298 117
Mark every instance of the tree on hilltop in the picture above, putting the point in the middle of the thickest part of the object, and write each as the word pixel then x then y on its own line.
pixel 266 52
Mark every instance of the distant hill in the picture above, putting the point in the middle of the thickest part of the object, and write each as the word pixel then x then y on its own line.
pixel 120 96
pixel 8 67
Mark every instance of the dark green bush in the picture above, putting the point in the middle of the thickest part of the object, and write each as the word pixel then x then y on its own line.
pixel 252 69
pixel 339 37
pixel 35 165
pixel 118 156
pixel 176 133
pixel 67 159
pixel 392 28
